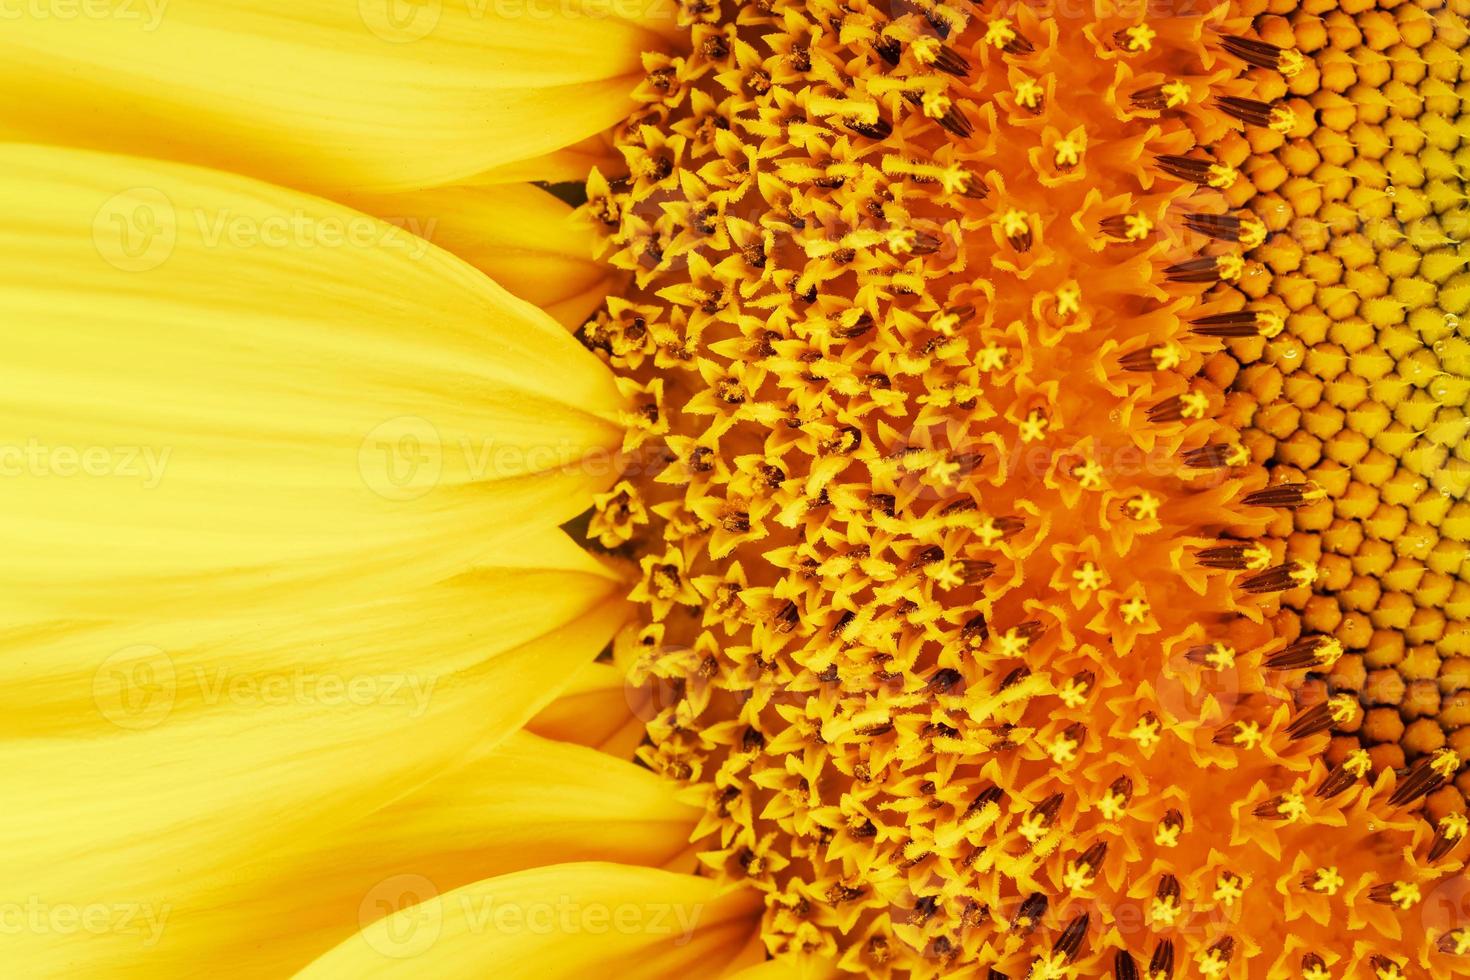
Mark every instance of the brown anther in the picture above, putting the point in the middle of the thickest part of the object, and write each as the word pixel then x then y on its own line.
pixel 1069 943
pixel 715 47
pixel 702 459
pixel 752 740
pixel 1277 579
pixel 1231 557
pixel 786 618
pixel 1211 457
pixel 1269 809
pixel 976 629
pixel 925 243
pixel 1186 168
pixel 1122 787
pixel 1015 677
pixel 1314 720
pixel 1423 778
pixel 1028 916
pixel 1312 963
pixel 957 123
pixel 1144 359
pixel 1242 323
pixel 1018 44
pixel 1383 965
pixel 758 81
pixel 1115 226
pixel 1227 734
pixel 1168 410
pixel 1204 269
pixel 1221 227
pixel 1442 844
pixel 1283 495
pixel 945 680
pixel 1299 655
pixel 1339 780
pixel 987 796
pixel 1094 855
pixel 1248 111
pixel 924 908
pixel 880 129
pixel 1124 967
pixel 1168 888
pixel 1150 99
pixel 1050 807
pixel 1253 52
pixel 952 62
pixel 1452 942
pixel 1161 964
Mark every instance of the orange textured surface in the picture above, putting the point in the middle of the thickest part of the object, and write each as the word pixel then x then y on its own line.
pixel 958 609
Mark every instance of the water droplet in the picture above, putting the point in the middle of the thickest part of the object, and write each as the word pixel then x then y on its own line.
pixel 1451 321
pixel 1392 191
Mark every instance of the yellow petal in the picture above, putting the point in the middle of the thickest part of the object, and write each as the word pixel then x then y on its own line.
pixel 526 803
pixel 566 921
pixel 166 821
pixel 79 679
pixel 572 163
pixel 521 236
pixel 373 94
pixel 595 709
pixel 213 386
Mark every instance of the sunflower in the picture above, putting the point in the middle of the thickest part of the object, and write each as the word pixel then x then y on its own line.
pixel 938 505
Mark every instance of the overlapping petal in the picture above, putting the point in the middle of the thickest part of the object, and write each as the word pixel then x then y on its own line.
pixel 564 921
pixel 224 766
pixel 216 387
pixel 366 95
pixel 519 235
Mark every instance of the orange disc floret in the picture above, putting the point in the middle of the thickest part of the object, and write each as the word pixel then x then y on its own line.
pixel 957 606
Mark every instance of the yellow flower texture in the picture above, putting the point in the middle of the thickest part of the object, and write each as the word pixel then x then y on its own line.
pixel 972 491
pixel 1023 493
